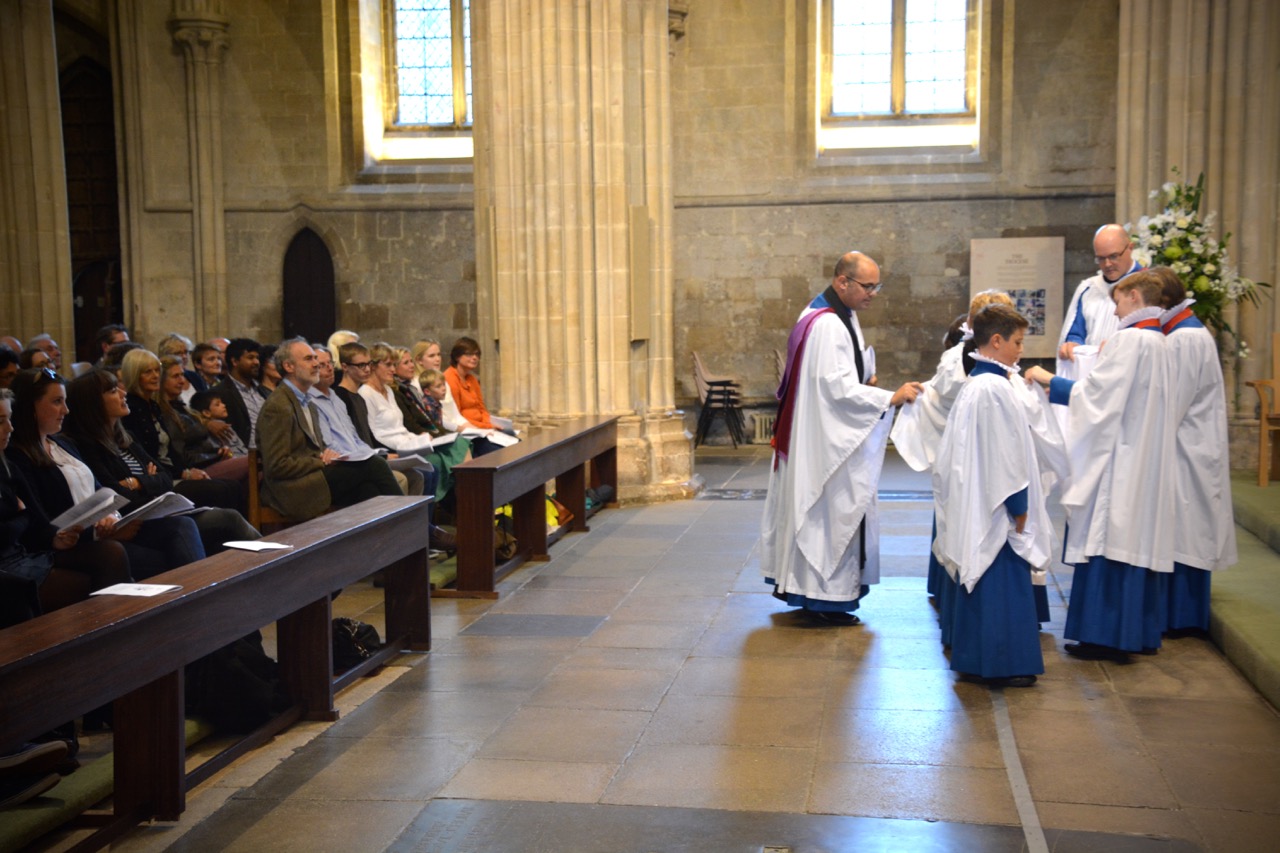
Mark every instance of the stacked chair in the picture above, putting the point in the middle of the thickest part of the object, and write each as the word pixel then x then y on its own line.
pixel 719 395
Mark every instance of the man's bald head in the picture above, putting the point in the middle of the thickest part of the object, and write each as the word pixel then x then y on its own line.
pixel 855 265
pixel 1113 251
pixel 856 280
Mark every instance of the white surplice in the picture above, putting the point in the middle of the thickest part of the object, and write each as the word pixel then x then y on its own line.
pixel 1204 536
pixel 1092 299
pixel 1119 500
pixel 988 452
pixel 826 487
pixel 919 425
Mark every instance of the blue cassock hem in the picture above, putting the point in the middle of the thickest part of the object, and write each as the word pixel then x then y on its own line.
pixel 1188 598
pixel 994 632
pixel 794 599
pixel 1117 605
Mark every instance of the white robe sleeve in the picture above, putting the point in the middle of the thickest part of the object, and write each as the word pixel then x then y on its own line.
pixel 919 425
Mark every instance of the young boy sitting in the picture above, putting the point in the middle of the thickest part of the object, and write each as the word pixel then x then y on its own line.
pixel 993 529
pixel 208 406
pixel 1119 501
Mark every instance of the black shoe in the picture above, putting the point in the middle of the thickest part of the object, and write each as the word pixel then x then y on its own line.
pixel 1092 651
pixel 1013 681
pixel 835 617
pixel 19 789
pixel 443 539
pixel 34 759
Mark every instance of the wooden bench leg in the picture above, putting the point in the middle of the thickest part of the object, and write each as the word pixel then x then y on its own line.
pixel 475 536
pixel 304 642
pixel 407 601
pixel 604 472
pixel 150 750
pixel 529 514
pixel 571 490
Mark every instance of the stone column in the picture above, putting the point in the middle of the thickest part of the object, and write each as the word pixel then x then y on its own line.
pixel 35 243
pixel 1198 89
pixel 573 217
pixel 200 28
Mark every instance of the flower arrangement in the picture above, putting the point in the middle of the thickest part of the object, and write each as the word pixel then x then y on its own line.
pixel 1178 238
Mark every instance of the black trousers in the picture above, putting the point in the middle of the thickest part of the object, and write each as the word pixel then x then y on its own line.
pixel 352 482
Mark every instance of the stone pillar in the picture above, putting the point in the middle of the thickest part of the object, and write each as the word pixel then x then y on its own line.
pixel 35 243
pixel 200 28
pixel 1198 89
pixel 573 217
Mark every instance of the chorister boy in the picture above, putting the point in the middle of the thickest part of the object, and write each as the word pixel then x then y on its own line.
pixel 1204 538
pixel 993 529
pixel 918 428
pixel 1119 500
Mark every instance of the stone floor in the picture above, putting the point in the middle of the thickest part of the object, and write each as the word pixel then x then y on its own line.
pixel 643 692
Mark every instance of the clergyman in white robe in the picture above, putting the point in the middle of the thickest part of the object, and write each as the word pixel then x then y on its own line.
pixel 820 537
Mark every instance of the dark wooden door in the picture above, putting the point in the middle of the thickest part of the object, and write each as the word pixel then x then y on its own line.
pixel 310 302
pixel 89 145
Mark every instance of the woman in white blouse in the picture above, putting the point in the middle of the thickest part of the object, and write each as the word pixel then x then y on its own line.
pixel 386 421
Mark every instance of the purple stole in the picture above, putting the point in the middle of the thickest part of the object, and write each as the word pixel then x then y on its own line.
pixel 787 390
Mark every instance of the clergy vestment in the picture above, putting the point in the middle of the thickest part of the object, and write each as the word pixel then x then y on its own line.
pixel 820 539
pixel 1091 316
pixel 986 473
pixel 1204 535
pixel 1119 500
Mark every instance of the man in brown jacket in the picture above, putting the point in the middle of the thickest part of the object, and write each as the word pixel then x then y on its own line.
pixel 301 477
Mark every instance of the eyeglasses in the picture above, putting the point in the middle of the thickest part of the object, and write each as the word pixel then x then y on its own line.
pixel 869 288
pixel 358 365
pixel 1111 259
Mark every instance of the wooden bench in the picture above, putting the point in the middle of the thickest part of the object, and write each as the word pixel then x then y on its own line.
pixel 132 650
pixel 518 475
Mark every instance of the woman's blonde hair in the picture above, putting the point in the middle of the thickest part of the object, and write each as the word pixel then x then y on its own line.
pixel 338 338
pixel 985 298
pixel 134 364
pixel 419 350
pixel 381 351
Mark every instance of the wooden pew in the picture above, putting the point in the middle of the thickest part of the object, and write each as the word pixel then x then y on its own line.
pixel 132 650
pixel 518 475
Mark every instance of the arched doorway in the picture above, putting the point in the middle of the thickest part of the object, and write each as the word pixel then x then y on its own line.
pixel 89 145
pixel 310 302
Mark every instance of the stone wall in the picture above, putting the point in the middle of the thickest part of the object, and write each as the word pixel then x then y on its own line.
pixel 759 222
pixel 762 217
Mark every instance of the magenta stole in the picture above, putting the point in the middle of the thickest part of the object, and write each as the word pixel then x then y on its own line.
pixel 787 390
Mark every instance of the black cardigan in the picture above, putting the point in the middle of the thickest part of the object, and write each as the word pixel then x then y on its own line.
pixel 49 489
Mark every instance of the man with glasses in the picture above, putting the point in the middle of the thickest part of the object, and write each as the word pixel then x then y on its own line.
pixel 820 547
pixel 1091 318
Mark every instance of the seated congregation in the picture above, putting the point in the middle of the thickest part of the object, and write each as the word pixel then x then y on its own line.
pixel 333 423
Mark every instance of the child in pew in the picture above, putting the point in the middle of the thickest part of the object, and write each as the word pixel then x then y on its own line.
pixel 993 528
pixel 208 406
pixel 1119 499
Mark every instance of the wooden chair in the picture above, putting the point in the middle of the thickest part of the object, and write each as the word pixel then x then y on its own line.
pixel 1268 412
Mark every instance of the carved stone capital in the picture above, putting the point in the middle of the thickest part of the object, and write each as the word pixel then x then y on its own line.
pixel 201 32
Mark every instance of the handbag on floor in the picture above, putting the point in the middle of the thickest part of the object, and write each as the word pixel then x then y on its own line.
pixel 353 642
